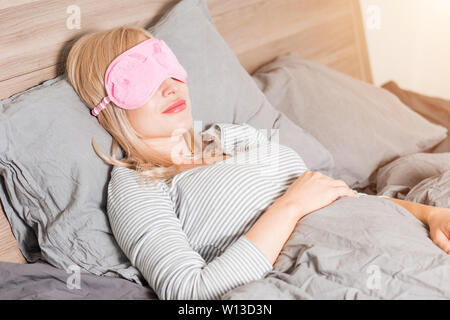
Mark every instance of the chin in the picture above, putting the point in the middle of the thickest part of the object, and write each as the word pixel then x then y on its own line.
pixel 186 121
pixel 184 124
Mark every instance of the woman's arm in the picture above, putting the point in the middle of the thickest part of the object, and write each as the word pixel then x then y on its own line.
pixel 420 211
pixel 309 192
pixel 273 228
pixel 437 219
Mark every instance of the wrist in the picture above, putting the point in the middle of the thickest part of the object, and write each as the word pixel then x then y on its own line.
pixel 430 215
pixel 434 213
pixel 290 208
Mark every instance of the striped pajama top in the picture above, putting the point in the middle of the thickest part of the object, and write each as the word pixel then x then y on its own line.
pixel 186 235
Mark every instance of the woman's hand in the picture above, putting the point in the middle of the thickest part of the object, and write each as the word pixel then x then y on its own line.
pixel 314 190
pixel 439 224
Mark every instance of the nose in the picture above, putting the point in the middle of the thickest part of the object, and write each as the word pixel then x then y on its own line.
pixel 170 87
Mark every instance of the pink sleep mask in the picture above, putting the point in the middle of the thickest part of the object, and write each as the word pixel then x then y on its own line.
pixel 133 77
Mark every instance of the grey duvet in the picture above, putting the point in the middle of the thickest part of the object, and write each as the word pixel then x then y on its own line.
pixel 355 248
pixel 365 248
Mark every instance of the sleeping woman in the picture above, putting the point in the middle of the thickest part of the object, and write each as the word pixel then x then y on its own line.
pixel 198 213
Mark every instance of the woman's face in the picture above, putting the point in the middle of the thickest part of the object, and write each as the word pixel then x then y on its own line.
pixel 150 121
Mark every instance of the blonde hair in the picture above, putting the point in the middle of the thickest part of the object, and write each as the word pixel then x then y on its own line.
pixel 86 65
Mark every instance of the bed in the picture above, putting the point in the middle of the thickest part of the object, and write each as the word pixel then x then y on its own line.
pixel 316 43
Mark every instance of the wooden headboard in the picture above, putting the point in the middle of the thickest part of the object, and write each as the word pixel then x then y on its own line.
pixel 35 39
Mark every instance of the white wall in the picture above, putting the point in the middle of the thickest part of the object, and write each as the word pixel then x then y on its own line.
pixel 409 43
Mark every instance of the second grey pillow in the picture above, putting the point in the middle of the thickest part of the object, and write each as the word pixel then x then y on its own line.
pixel 363 126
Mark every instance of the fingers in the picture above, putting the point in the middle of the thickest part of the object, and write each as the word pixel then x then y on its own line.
pixel 338 183
pixel 442 241
pixel 345 191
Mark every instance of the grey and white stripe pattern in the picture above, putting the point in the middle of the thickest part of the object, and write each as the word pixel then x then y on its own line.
pixel 187 234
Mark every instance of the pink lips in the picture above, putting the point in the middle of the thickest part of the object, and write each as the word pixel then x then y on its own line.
pixel 178 106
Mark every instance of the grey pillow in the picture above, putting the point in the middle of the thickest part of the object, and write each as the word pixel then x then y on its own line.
pixel 363 126
pixel 54 186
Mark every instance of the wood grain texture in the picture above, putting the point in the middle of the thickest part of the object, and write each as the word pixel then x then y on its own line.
pixel 9 251
pixel 35 40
